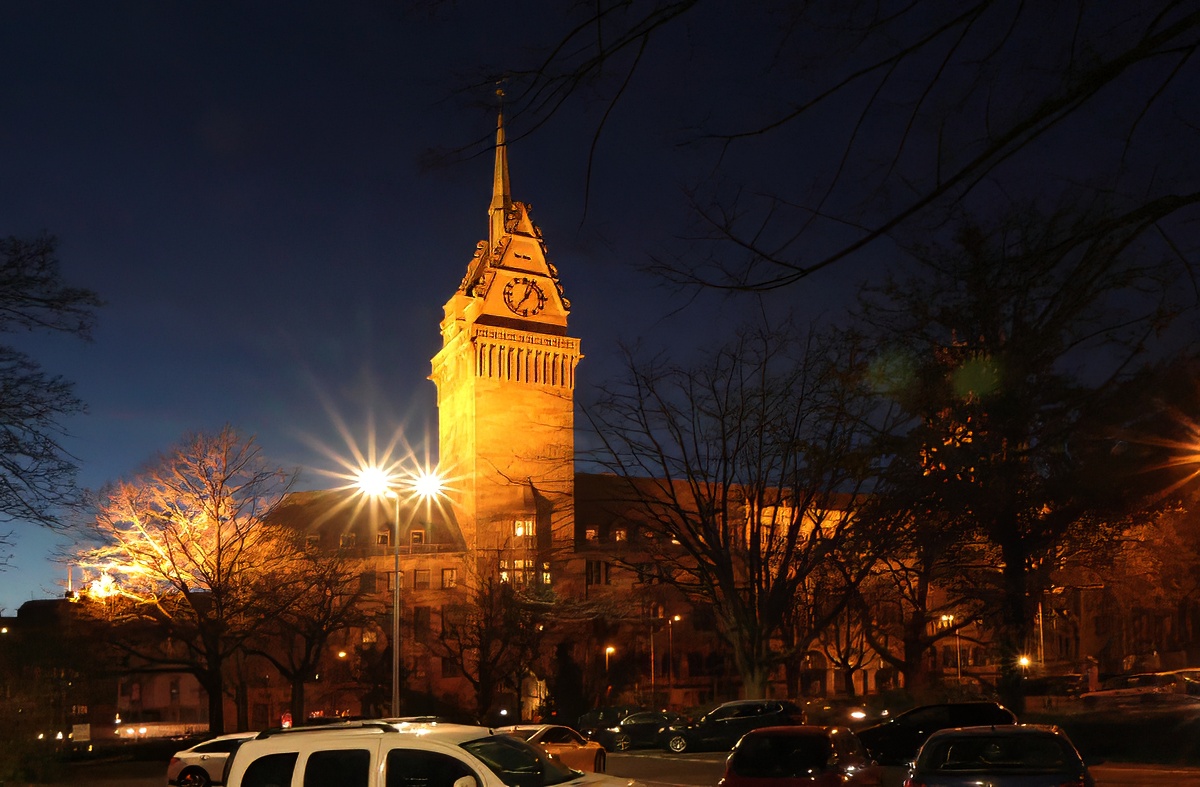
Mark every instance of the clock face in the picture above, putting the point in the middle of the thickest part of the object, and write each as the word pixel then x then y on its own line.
pixel 524 296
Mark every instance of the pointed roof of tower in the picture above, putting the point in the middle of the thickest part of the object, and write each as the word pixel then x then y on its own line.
pixel 501 191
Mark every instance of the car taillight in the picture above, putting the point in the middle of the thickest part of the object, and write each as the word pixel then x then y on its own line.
pixel 173 761
pixel 911 782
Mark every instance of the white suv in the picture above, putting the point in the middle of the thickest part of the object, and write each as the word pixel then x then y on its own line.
pixel 387 754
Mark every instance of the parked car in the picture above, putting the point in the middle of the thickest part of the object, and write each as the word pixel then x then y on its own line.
pixel 1017 755
pixel 852 712
pixel 203 764
pixel 800 756
pixel 599 718
pixel 564 743
pixel 896 741
pixel 722 726
pixel 637 730
pixel 379 754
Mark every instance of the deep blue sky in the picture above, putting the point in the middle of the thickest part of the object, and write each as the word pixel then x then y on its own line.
pixel 242 184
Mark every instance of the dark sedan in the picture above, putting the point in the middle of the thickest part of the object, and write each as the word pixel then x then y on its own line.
pixel 637 730
pixel 722 726
pixel 896 741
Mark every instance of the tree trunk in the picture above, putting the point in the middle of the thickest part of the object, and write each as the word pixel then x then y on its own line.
pixel 1014 625
pixel 297 700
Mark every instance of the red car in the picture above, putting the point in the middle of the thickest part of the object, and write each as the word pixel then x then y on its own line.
pixel 800 756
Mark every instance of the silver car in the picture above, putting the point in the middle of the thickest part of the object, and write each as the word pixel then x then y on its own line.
pixel 203 764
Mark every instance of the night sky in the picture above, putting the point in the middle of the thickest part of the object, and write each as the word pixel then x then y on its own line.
pixel 249 188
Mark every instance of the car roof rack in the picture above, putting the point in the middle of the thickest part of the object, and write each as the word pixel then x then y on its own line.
pixel 350 725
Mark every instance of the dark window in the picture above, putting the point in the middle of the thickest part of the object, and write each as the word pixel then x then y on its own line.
pixel 367 581
pixel 421 579
pixel 342 767
pixel 271 770
pixel 415 768
pixel 597 572
pixel 421 621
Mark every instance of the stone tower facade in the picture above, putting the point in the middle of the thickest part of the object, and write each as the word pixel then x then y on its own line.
pixel 505 378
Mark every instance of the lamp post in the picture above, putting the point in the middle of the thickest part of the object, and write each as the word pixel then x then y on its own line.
pixel 949 621
pixel 375 483
pixel 608 652
pixel 671 621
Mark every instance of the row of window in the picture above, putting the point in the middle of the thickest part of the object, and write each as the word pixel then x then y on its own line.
pixel 421 579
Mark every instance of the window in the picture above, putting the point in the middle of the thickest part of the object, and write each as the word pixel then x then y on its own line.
pixel 421 579
pixel 449 577
pixel 347 541
pixel 524 528
pixel 590 534
pixel 312 541
pixel 416 768
pixel 367 581
pixel 451 668
pixel 391 580
pixel 416 538
pixel 596 572
pixel 370 636
pixel 384 538
pixel 270 770
pixel 421 619
pixel 343 767
pixel 620 534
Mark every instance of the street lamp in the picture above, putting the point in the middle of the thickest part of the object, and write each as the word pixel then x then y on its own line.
pixel 608 652
pixel 949 621
pixel 671 621
pixel 375 483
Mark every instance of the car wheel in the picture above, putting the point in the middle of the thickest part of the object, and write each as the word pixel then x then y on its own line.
pixel 622 742
pixel 677 744
pixel 600 762
pixel 194 777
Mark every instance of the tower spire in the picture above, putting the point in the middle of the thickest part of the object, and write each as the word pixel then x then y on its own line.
pixel 501 192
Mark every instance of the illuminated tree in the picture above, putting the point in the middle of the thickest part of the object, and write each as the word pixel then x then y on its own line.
pixel 185 544
pixel 36 474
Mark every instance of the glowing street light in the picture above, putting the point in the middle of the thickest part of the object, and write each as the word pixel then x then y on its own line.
pixel 380 483
pixel 374 482
pixel 607 653
pixel 948 620
pixel 671 621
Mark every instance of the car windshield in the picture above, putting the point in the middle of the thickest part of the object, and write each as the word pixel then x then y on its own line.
pixel 998 753
pixel 517 763
pixel 786 756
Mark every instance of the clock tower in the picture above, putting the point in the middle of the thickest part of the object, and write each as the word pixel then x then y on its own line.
pixel 505 378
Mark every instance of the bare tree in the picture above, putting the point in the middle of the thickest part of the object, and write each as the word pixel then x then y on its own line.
pixel 743 478
pixel 186 544
pixel 1001 349
pixel 36 474
pixel 327 600
pixel 814 130
pixel 493 639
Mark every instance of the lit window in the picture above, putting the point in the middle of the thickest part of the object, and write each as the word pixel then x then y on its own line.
pixel 590 534
pixel 619 534
pixel 524 528
pixel 416 537
pixel 383 538
pixel 449 577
